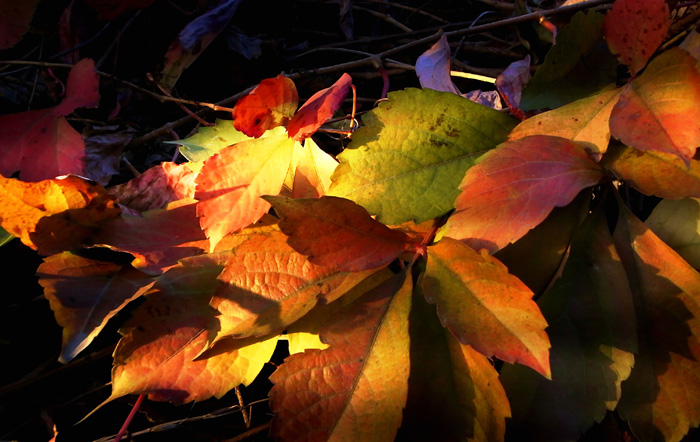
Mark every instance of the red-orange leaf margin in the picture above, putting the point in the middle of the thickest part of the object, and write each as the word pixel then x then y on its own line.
pixel 272 103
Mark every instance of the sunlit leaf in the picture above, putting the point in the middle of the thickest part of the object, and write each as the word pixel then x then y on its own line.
pixel 408 159
pixel 585 121
pixel 231 182
pixel 319 108
pixel 54 215
pixel 592 328
pixel 84 294
pixel 514 187
pixel 484 306
pixel 41 144
pixel 655 173
pixel 677 223
pixel 661 399
pixel 659 110
pixel 159 238
pixel 209 140
pixel 267 285
pixel 356 389
pixel 578 66
pixel 161 353
pixel 313 170
pixel 453 390
pixel 634 29
pixel 271 104
pixel 335 232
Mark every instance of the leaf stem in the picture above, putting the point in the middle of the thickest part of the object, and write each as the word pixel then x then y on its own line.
pixel 129 418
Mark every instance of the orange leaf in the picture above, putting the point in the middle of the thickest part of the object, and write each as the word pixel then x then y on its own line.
pixel 159 238
pixel 272 103
pixel 513 188
pixel 661 398
pixel 320 107
pixel 231 182
pixel 659 109
pixel 655 173
pixel 485 306
pixel 84 294
pixel 267 286
pixel 634 29
pixel 335 232
pixel 162 353
pixel 40 144
pixel 356 389
pixel 54 215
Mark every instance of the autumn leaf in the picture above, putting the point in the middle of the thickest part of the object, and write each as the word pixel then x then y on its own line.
pixel 405 163
pixel 313 169
pixel 41 144
pixel 484 306
pixel 514 187
pixel 592 328
pixel 676 223
pixel 335 232
pixel 661 399
pixel 84 294
pixel 156 187
pixel 433 67
pixel 511 82
pixel 655 173
pixel 585 121
pixel 231 182
pixel 356 389
pixel 162 353
pixel 267 285
pixel 15 20
pixel 453 390
pixel 209 140
pixel 634 29
pixel 158 239
pixel 578 66
pixel 271 104
pixel 656 109
pixel 319 108
pixel 193 39
pixel 54 215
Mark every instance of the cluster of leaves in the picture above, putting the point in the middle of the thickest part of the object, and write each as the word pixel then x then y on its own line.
pixel 445 236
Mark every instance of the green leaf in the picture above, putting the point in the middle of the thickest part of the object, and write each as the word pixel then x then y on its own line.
pixel 677 223
pixel 592 328
pixel 577 66
pixel 5 237
pixel 407 160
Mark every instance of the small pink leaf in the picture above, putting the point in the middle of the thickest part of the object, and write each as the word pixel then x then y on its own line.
pixel 320 107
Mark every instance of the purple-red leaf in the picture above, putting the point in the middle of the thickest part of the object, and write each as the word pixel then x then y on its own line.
pixel 320 107
pixel 433 68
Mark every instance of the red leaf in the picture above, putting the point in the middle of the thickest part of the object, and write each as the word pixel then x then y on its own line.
pixel 512 188
pixel 40 144
pixel 156 187
pixel 320 107
pixel 356 389
pixel 15 17
pixel 335 232
pixel 634 29
pixel 659 109
pixel 272 103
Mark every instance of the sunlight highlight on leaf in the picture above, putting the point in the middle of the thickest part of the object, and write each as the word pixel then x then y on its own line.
pixel 484 306
pixel 356 389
